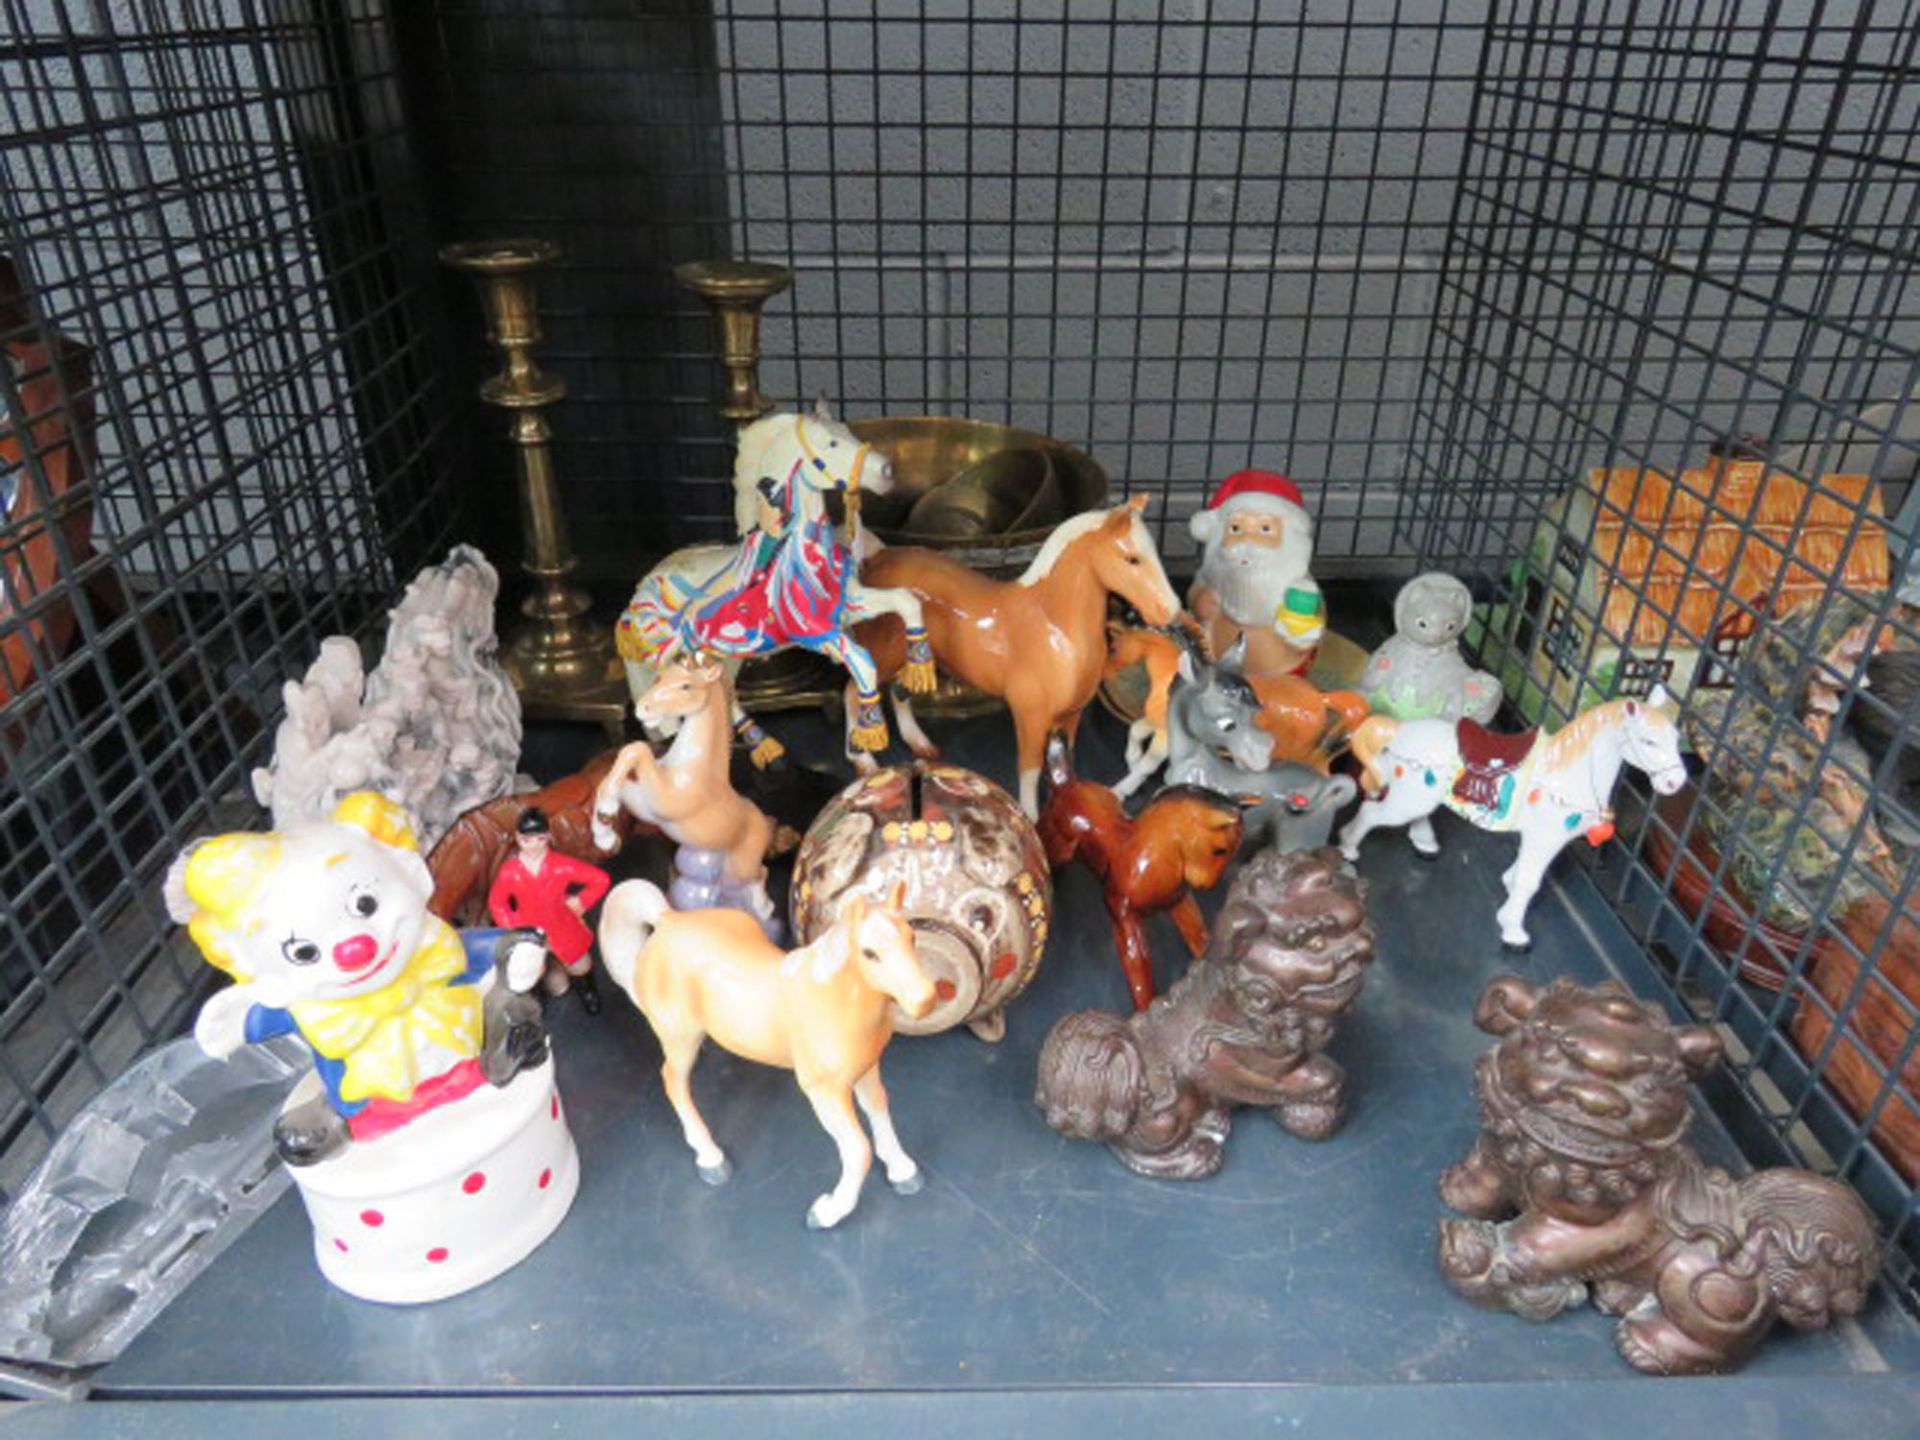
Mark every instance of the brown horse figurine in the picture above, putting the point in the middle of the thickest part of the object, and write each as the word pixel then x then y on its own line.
pixel 468 856
pixel 824 1012
pixel 687 792
pixel 1038 642
pixel 1310 726
pixel 1180 843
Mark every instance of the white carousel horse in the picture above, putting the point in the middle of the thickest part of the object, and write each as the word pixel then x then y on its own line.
pixel 1547 788
pixel 789 580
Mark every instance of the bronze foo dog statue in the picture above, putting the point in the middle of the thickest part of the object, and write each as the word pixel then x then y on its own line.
pixel 1245 1025
pixel 1584 1103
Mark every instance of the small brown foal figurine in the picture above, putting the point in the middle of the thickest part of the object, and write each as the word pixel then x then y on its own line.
pixel 824 1011
pixel 1180 843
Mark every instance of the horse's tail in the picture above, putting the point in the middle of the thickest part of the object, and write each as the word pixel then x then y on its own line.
pixel 1374 735
pixel 627 918
pixel 1090 1076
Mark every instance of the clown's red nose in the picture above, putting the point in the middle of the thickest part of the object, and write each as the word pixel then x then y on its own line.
pixel 356 952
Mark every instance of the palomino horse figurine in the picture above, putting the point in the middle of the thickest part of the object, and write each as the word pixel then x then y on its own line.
pixel 789 581
pixel 1181 842
pixel 1038 642
pixel 1548 788
pixel 723 838
pixel 823 1011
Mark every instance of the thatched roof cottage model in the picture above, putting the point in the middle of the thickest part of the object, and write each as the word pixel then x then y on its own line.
pixel 1638 579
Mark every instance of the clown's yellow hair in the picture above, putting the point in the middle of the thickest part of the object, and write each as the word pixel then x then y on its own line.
pixel 215 884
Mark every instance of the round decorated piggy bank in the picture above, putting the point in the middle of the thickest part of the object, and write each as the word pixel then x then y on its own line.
pixel 428 1143
pixel 975 877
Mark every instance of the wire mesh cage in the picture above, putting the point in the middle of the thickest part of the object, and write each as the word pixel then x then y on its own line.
pixel 1634 350
pixel 1667 413
pixel 221 443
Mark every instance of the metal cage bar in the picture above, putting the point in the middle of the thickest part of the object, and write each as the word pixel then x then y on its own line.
pixel 221 444
pixel 1666 424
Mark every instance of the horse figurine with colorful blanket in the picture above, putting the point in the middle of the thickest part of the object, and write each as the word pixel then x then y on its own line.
pixel 1547 788
pixel 790 580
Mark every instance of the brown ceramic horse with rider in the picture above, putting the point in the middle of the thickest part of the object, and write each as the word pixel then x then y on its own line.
pixel 1038 642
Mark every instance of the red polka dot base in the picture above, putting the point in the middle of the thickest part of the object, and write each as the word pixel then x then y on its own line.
pixel 448 1201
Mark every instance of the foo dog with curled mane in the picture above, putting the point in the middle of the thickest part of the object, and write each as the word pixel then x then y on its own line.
pixel 1245 1025
pixel 1585 1105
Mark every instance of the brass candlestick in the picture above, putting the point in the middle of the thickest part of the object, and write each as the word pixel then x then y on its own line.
pixel 561 662
pixel 737 290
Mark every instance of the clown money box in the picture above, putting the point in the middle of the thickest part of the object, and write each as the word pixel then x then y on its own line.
pixel 428 1143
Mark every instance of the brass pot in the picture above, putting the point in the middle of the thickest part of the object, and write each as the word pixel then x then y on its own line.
pixel 930 452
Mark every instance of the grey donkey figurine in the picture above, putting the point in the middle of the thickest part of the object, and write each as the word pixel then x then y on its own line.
pixel 1420 674
pixel 1214 739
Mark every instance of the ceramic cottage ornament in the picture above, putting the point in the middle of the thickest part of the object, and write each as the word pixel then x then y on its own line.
pixel 1038 642
pixel 1549 790
pixel 824 1011
pixel 1581 1187
pixel 1419 674
pixel 1256 543
pixel 791 579
pixel 1248 1024
pixel 973 876
pixel 428 1144
pixel 722 836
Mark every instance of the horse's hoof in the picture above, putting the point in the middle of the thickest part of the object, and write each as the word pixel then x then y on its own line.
pixel 910 1185
pixel 1515 947
pixel 715 1174
pixel 990 1028
pixel 1429 856
pixel 817 1218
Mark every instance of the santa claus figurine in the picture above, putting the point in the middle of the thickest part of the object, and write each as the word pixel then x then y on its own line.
pixel 1256 543
pixel 540 886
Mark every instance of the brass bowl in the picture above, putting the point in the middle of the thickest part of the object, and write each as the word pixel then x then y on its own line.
pixel 932 451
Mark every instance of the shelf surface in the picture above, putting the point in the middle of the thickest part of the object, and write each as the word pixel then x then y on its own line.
pixel 1030 1263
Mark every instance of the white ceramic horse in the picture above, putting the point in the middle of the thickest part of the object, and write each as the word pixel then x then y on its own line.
pixel 789 580
pixel 1547 788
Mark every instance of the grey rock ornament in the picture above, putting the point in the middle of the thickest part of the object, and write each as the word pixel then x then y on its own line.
pixel 435 727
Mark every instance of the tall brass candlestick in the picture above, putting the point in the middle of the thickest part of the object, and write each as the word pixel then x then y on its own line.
pixel 561 662
pixel 737 290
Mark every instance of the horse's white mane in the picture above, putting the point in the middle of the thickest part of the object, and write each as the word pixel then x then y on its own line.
pixel 1064 534
pixel 750 451
pixel 1580 732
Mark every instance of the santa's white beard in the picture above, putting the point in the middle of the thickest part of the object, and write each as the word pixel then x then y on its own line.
pixel 1251 581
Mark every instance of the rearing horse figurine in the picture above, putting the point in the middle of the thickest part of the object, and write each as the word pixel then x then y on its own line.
pixel 687 792
pixel 1547 788
pixel 1039 642
pixel 790 580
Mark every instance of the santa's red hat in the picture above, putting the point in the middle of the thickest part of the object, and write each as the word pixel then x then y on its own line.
pixel 1248 490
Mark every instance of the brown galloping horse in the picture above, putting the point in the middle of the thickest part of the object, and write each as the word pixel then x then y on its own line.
pixel 1038 642
pixel 1180 843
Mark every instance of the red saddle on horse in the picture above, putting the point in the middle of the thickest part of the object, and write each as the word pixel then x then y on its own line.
pixel 1487 758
